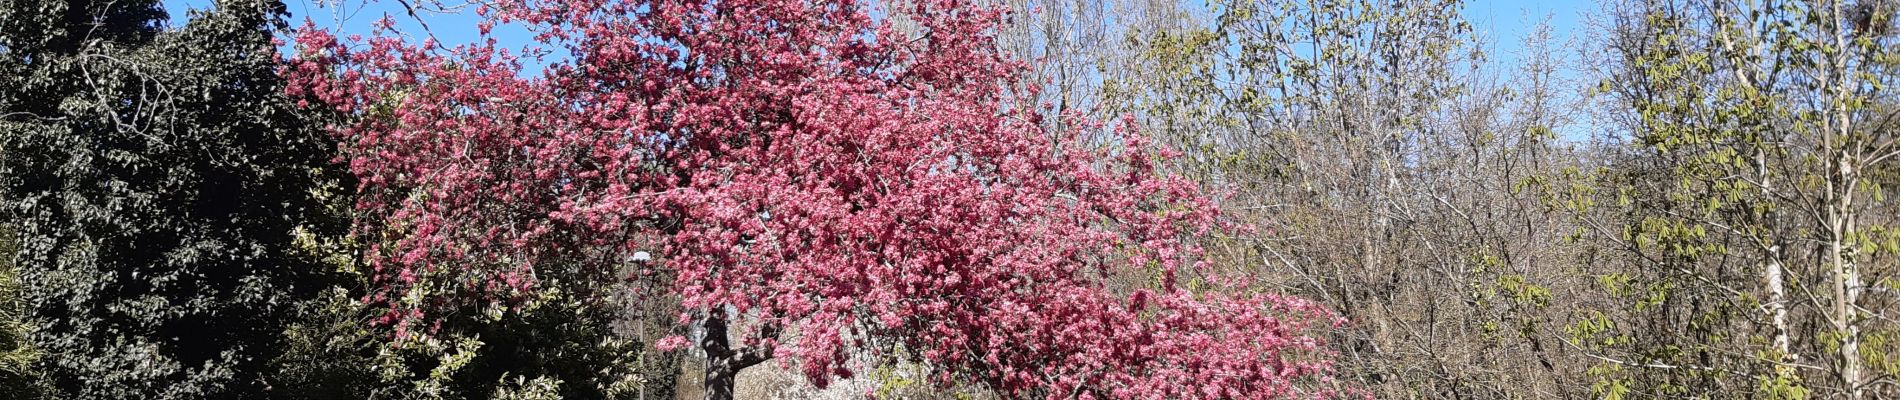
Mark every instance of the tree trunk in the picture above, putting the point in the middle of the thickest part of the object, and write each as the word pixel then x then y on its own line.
pixel 1774 271
pixel 719 379
pixel 722 362
pixel 1778 304
pixel 1846 296
pixel 1841 219
pixel 1847 289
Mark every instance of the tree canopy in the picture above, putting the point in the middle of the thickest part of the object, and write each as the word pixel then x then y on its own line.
pixel 155 180
pixel 815 182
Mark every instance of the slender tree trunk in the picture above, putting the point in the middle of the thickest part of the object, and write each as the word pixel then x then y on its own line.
pixel 1847 288
pixel 1846 294
pixel 1840 215
pixel 1778 303
pixel 1775 272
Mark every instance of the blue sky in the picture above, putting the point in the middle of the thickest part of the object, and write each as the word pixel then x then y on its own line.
pixel 1504 22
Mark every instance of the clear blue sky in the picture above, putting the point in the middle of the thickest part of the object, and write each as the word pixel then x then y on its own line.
pixel 1505 25
pixel 1503 22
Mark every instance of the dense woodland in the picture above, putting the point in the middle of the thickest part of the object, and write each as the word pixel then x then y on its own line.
pixel 949 199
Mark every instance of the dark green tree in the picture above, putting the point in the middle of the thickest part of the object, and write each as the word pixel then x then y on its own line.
pixel 579 339
pixel 16 355
pixel 156 179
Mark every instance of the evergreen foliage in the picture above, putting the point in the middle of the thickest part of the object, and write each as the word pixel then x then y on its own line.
pixel 155 178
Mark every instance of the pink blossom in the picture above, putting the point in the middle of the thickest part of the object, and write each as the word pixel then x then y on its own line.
pixel 814 170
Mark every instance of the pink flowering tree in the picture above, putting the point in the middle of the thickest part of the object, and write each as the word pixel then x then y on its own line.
pixel 815 182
